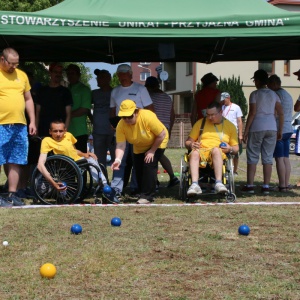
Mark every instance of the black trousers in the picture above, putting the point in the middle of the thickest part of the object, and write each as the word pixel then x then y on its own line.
pixel 146 173
pixel 81 144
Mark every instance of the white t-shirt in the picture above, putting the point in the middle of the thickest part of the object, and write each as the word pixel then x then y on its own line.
pixel 136 92
pixel 232 112
pixel 264 119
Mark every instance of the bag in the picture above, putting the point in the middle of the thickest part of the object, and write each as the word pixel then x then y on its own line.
pixel 297 148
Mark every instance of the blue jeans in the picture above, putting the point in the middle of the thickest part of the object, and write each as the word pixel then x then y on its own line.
pixel 118 175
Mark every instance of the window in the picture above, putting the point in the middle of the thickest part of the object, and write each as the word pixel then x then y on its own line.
pixel 286 68
pixel 189 68
pixel 268 66
pixel 144 76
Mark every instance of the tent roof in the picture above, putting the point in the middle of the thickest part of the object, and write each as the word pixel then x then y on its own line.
pixel 137 30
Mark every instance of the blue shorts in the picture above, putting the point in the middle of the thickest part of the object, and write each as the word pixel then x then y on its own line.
pixel 13 144
pixel 282 148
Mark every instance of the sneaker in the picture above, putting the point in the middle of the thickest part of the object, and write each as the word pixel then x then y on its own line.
pixel 16 201
pixel 248 189
pixel 194 189
pixel 174 181
pixel 235 173
pixel 4 202
pixel 114 199
pixel 21 194
pixel 220 188
pixel 143 201
pixel 265 190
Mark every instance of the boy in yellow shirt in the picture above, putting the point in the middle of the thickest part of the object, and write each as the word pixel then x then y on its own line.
pixel 62 142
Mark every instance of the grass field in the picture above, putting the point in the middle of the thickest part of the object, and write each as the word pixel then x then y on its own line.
pixel 159 252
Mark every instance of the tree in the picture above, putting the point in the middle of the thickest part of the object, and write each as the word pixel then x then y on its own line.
pixel 39 69
pixel 27 5
pixel 114 81
pixel 234 87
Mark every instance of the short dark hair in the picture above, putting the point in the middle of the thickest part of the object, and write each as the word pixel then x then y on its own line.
pixel 74 68
pixel 274 79
pixel 57 121
pixel 214 104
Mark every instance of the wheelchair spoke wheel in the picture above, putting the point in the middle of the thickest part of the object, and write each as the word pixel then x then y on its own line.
pixel 183 186
pixel 61 168
pixel 230 175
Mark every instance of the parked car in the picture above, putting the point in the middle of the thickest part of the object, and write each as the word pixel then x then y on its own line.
pixel 295 124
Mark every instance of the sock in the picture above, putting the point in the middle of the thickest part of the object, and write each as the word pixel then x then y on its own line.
pixel 195 182
pixel 218 181
pixel 265 186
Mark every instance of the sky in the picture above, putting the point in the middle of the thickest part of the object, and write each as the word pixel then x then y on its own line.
pixel 96 65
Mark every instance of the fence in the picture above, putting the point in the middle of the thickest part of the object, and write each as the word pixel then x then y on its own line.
pixel 180 133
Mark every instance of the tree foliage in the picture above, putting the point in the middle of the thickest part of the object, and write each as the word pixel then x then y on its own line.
pixel 39 69
pixel 27 5
pixel 234 87
pixel 114 81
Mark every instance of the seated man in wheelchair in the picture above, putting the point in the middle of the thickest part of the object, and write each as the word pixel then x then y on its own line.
pixel 205 146
pixel 62 142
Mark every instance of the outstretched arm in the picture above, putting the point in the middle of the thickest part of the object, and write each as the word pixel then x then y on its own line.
pixel 41 167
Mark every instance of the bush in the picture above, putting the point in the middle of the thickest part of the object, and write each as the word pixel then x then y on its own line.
pixel 235 88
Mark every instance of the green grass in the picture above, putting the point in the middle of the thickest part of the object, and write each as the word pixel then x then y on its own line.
pixel 176 253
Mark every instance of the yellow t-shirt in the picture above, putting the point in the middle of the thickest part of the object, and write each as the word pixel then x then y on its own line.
pixel 213 136
pixel 143 133
pixel 12 102
pixel 64 147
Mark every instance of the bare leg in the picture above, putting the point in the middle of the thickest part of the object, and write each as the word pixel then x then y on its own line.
pixel 13 177
pixel 267 170
pixel 288 169
pixel 280 167
pixel 217 162
pixel 235 164
pixel 194 165
pixel 251 170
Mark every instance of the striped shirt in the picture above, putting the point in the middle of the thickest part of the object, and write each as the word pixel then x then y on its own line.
pixel 162 103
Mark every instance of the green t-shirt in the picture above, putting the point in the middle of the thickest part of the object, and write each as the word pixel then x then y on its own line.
pixel 82 97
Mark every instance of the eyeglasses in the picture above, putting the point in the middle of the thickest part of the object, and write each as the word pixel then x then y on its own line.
pixel 212 115
pixel 15 65
pixel 129 118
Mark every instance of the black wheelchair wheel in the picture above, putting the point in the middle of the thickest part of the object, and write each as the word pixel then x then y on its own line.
pixel 61 168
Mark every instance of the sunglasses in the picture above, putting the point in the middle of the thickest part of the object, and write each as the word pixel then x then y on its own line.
pixel 129 118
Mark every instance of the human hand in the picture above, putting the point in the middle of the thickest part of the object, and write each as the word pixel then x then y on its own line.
pixel 245 139
pixel 149 155
pixel 116 165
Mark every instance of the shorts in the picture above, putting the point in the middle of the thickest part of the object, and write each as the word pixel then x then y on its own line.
pixel 206 158
pixel 282 148
pixel 13 144
pixel 261 142
pixel 33 150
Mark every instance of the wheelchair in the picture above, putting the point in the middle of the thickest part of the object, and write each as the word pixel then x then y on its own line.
pixel 206 179
pixel 77 176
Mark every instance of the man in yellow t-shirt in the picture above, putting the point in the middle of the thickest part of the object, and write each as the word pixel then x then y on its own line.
pixel 15 97
pixel 149 137
pixel 62 142
pixel 216 130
